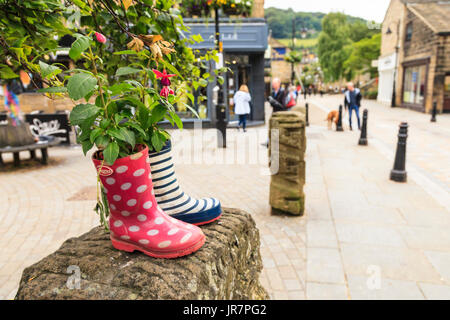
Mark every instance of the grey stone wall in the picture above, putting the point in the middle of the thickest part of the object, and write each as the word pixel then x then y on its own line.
pixel 226 267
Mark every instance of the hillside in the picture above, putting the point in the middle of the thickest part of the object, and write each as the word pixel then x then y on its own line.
pixel 280 22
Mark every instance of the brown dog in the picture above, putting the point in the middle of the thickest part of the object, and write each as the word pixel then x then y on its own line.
pixel 333 116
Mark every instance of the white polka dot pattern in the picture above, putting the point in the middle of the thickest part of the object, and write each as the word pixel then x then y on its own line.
pixel 141 188
pixel 143 224
pixel 134 228
pixel 131 202
pixel 121 169
pixel 153 232
pixel 139 172
pixel 125 186
pixel 148 205
pixel 164 244
pixel 173 231
pixel 142 217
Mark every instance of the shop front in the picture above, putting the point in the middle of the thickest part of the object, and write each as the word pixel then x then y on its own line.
pixel 244 45
pixel 414 91
pixel 386 70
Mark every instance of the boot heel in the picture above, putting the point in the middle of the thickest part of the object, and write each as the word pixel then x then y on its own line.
pixel 122 246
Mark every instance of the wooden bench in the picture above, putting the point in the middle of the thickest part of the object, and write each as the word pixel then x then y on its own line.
pixel 41 145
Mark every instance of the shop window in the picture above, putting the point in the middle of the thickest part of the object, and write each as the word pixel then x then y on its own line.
pixel 414 85
pixel 409 31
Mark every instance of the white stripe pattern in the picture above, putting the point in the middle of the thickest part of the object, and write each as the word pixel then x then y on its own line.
pixel 168 193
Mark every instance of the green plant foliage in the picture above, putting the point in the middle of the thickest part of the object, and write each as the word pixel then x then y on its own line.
pixel 342 47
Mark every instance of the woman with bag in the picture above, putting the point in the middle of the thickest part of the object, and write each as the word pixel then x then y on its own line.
pixel 242 100
pixel 291 98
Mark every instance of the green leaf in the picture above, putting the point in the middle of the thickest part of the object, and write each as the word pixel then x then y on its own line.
pixel 78 47
pixel 53 90
pixel 48 71
pixel 80 85
pixel 172 69
pixel 105 123
pixel 122 71
pixel 7 73
pixel 94 134
pixel 138 128
pixel 83 112
pixel 111 153
pixel 116 133
pixel 102 141
pixel 129 136
pixel 143 116
pixel 125 52
pixel 158 113
pixel 86 145
pixel 156 142
pixel 177 120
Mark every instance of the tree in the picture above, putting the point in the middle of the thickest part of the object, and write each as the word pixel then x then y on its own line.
pixel 30 30
pixel 294 58
pixel 362 54
pixel 359 30
pixel 332 47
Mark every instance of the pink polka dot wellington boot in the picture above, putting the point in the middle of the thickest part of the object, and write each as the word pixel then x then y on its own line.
pixel 136 221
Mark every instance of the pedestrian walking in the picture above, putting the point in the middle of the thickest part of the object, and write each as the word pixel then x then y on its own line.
pixel 278 98
pixel 353 99
pixel 242 101
pixel 291 98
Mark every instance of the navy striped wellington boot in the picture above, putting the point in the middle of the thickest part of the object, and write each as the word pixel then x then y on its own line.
pixel 170 196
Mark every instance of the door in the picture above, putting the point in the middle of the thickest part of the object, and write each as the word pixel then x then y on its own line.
pixel 447 94
pixel 240 74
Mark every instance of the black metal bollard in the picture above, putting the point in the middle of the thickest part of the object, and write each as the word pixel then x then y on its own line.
pixel 433 112
pixel 363 137
pixel 339 124
pixel 307 114
pixel 221 125
pixel 398 173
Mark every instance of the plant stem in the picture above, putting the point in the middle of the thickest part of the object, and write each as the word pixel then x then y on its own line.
pixel 100 91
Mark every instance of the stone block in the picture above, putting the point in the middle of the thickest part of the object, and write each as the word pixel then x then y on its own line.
pixel 226 267
pixel 288 180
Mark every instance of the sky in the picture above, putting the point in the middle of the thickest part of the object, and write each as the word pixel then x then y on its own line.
pixel 372 10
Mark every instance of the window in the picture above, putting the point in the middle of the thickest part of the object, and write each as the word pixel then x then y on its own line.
pixel 409 31
pixel 414 84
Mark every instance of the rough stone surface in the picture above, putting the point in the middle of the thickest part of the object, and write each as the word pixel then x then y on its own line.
pixel 286 186
pixel 226 267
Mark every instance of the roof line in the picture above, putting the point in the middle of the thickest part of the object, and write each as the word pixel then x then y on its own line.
pixel 409 6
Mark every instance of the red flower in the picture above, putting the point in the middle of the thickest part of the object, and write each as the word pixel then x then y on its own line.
pixel 165 81
pixel 100 38
pixel 165 91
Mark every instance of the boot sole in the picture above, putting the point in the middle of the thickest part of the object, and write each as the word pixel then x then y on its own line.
pixel 200 218
pixel 129 247
pixel 206 222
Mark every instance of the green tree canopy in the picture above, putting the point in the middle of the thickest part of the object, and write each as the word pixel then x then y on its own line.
pixel 333 41
pixel 362 54
pixel 347 48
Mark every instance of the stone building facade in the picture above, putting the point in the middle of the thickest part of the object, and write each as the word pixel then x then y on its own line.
pixel 417 35
pixel 426 63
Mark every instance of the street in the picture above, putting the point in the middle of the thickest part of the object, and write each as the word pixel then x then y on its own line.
pixel 362 237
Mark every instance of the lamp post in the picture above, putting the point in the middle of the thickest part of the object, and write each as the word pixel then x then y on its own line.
pixel 304 33
pixel 397 48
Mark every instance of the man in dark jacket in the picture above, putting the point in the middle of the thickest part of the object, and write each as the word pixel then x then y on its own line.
pixel 353 100
pixel 278 98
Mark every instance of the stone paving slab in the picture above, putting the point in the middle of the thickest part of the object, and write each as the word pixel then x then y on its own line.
pixel 356 220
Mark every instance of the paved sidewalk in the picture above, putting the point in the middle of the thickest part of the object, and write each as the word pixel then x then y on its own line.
pixel 368 237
